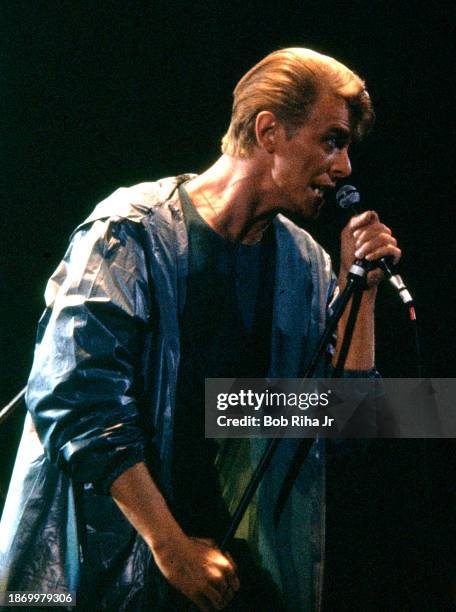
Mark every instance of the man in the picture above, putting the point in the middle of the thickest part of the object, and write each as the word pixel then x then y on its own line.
pixel 165 284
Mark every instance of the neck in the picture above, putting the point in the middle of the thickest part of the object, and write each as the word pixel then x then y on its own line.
pixel 231 198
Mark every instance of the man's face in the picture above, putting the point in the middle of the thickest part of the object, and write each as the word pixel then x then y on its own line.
pixel 309 163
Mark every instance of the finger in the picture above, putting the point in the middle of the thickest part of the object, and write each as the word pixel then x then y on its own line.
pixel 230 568
pixel 363 234
pixel 232 576
pixel 233 562
pixel 233 582
pixel 385 251
pixel 226 563
pixel 365 218
pixel 375 243
pixel 201 602
pixel 228 596
pixel 217 595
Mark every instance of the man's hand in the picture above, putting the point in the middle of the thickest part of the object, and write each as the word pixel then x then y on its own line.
pixel 365 237
pixel 199 570
pixel 194 566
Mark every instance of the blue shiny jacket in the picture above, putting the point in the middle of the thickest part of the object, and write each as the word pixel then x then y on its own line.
pixel 101 395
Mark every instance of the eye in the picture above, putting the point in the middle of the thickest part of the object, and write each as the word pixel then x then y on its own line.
pixel 335 142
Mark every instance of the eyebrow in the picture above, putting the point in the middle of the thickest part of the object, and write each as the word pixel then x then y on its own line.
pixel 340 132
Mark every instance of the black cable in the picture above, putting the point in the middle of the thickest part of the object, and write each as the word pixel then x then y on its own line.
pixel 348 334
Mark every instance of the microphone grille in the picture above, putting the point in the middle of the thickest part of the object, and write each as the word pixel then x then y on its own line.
pixel 347 196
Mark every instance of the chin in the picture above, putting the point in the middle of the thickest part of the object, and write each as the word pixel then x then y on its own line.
pixel 317 210
pixel 302 207
pixel 310 210
pixel 302 216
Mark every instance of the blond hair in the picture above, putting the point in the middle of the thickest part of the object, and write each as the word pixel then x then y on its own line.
pixel 288 82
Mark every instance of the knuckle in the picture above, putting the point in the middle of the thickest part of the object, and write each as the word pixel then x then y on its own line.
pixel 207 541
pixel 373 216
pixel 216 581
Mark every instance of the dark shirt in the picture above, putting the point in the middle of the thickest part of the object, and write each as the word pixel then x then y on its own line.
pixel 225 332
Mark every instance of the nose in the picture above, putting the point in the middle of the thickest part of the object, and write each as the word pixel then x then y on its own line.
pixel 341 167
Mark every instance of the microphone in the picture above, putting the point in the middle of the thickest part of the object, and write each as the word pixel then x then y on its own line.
pixel 348 198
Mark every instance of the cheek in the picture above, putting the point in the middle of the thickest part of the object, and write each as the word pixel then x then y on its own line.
pixel 290 172
pixel 279 173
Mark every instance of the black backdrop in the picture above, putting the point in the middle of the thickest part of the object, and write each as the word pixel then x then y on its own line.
pixel 95 95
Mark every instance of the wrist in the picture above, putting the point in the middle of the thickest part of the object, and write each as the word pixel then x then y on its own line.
pixel 166 539
pixel 369 295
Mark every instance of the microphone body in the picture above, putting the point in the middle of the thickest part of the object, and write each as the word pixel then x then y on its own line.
pixel 348 198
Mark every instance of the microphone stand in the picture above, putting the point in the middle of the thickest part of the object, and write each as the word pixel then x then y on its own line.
pixel 12 406
pixel 354 287
pixel 356 282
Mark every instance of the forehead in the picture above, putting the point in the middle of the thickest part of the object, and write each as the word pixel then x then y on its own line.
pixel 329 111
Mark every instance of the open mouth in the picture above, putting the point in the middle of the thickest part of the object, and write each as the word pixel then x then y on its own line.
pixel 320 190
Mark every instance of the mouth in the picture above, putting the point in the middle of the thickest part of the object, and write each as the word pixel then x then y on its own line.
pixel 321 190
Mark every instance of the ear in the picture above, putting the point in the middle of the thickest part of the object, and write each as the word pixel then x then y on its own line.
pixel 267 128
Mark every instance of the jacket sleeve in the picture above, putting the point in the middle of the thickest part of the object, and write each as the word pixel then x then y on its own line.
pixel 86 377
